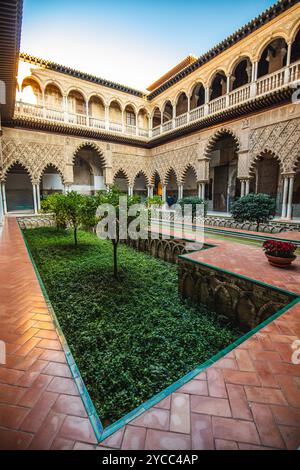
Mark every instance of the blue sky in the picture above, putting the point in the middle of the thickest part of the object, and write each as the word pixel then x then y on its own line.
pixel 130 42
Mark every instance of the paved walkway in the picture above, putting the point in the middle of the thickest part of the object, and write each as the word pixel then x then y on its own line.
pixel 250 399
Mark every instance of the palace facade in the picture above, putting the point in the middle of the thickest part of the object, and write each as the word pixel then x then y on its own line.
pixel 218 126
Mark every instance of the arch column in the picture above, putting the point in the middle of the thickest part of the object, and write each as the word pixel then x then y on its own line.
pixel 254 79
pixel 201 189
pixel 285 196
pixel 150 191
pixel 164 193
pixel 290 198
pixel 3 197
pixel 130 190
pixel 288 63
pixel 34 190
pixel 38 196
pixel 180 191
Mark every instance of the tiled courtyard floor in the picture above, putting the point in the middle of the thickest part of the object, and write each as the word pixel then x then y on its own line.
pixel 250 399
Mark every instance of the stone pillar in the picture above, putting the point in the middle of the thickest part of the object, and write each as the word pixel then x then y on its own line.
pixel 243 188
pixel 106 117
pixel 290 198
pixel 207 89
pixel 164 193
pixel 228 83
pixel 247 187
pixel 150 191
pixel 288 63
pixel 285 195
pixel 253 79
pixel 34 198
pixel 130 190
pixel 4 198
pixel 180 191
pixel 38 194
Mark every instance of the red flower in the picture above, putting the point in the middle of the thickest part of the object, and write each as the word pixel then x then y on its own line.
pixel 279 248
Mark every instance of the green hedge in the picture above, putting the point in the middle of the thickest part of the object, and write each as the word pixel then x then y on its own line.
pixel 131 338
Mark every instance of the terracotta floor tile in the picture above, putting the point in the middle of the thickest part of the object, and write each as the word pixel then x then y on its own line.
pixel 38 414
pixel 222 444
pixel 134 438
pixel 70 405
pixel 210 405
pixel 163 440
pixel 235 430
pixel 267 429
pixel 155 418
pixel 79 429
pixel 14 440
pixel 202 436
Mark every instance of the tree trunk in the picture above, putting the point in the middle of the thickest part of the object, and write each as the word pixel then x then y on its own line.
pixel 115 245
pixel 75 236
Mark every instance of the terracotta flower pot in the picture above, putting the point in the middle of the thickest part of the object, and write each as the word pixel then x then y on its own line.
pixel 280 262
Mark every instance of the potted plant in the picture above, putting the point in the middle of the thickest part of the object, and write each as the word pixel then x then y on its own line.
pixel 279 254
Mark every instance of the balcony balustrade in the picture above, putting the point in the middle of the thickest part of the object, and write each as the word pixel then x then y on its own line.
pixel 262 86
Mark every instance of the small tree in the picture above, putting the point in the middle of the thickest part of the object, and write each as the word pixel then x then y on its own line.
pixel 154 201
pixel 258 208
pixel 112 197
pixel 193 201
pixel 72 209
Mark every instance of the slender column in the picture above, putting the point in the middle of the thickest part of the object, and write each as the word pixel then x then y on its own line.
pixel 34 198
pixel 288 63
pixel 65 106
pixel 130 190
pixel 164 193
pixel 106 117
pixel 1 205
pixel 200 190
pixel 242 188
pixel 228 82
pixel 180 191
pixel 284 198
pixel 38 194
pixel 290 198
pixel 247 187
pixel 150 191
pixel 4 199
pixel 206 100
pixel 123 123
pixel 189 108
pixel 254 79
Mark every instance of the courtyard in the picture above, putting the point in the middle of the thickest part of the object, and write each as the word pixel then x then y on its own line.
pixel 150 235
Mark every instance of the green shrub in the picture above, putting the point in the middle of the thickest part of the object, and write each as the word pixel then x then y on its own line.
pixel 257 208
pixel 193 200
pixel 133 337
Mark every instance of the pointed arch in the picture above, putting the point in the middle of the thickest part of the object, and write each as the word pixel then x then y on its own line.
pixel 14 162
pixel 153 177
pixel 120 172
pixel 54 165
pixel 187 168
pixel 168 174
pixel 262 154
pixel 216 136
pixel 141 172
pixel 91 146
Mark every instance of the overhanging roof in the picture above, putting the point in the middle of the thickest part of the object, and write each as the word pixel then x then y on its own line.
pixel 10 36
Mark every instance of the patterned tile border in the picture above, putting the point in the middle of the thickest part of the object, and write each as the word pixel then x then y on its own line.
pixel 100 432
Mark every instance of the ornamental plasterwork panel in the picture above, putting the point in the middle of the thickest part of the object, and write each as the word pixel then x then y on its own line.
pixel 282 140
pixel 131 165
pixel 34 156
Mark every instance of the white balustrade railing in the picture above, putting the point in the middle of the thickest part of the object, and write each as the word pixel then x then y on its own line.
pixel 270 82
pixel 294 72
pixel 156 131
pixel 197 113
pixel 115 126
pixel 263 85
pixel 78 119
pixel 53 114
pixel 181 120
pixel 240 95
pixel 217 105
pixel 167 126
pixel 131 130
pixel 143 132
pixel 96 123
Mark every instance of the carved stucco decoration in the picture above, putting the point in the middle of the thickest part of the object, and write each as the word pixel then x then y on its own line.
pixel 281 140
pixel 34 156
